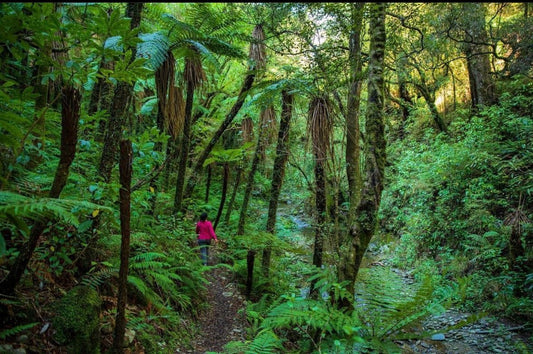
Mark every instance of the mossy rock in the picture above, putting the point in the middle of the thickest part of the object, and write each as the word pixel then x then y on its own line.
pixel 77 320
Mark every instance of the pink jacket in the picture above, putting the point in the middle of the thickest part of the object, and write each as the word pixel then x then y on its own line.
pixel 205 230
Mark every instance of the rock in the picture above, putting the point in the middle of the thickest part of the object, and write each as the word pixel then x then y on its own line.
pixel 23 338
pixel 438 336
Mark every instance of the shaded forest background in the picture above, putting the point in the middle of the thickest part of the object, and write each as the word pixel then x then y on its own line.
pixel 401 133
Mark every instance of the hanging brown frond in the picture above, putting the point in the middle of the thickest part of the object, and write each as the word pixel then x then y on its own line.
pixel 175 111
pixel 194 73
pixel 257 48
pixel 268 124
pixel 247 129
pixel 320 127
pixel 170 99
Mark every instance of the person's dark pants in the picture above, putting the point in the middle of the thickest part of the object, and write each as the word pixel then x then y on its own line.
pixel 204 250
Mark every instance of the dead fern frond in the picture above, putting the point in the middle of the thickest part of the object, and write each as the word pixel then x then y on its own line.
pixel 175 111
pixel 247 129
pixel 320 127
pixel 257 48
pixel 194 73
pixel 268 124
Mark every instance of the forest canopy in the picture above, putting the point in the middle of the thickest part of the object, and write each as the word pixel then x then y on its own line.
pixel 341 151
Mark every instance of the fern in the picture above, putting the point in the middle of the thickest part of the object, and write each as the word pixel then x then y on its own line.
pixel 153 46
pixel 16 330
pixel 14 206
pixel 96 279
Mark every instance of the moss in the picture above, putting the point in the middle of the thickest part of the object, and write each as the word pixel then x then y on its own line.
pixel 77 321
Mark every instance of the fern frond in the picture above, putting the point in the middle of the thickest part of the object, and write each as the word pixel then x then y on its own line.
pixel 265 342
pixel 154 47
pixel 16 330
pixel 96 279
pixel 149 294
pixel 17 206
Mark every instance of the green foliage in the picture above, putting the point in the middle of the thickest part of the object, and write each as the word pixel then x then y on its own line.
pixel 16 330
pixel 450 196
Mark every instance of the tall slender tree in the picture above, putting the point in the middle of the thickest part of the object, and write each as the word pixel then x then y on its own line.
pixel 320 128
pixel 117 113
pixel 363 227
pixel 353 132
pixel 278 171
pixel 70 116
pixel 193 75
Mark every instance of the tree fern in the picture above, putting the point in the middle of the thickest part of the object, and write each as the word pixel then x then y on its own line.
pixel 154 47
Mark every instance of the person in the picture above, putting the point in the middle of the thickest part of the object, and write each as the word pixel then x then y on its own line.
pixel 205 232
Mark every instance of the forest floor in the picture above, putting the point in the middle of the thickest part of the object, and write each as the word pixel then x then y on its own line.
pixel 224 321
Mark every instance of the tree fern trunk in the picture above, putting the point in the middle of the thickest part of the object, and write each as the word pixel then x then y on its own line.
pixel 125 192
pixel 362 229
pixel 70 116
pixel 233 195
pixel 184 150
pixel 117 113
pixel 224 194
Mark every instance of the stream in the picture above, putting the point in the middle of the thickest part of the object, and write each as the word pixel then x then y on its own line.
pixel 483 335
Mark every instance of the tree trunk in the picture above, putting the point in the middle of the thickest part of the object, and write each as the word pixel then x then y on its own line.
pixel 233 195
pixel 125 192
pixel 256 160
pixel 278 173
pixel 477 56
pixel 362 229
pixel 430 101
pixel 117 113
pixel 70 116
pixel 353 150
pixel 223 196
pixel 208 183
pixel 197 171
pixel 406 102
pixel 184 150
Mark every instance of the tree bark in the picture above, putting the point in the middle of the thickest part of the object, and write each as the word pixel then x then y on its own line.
pixel 278 173
pixel 362 229
pixel 353 150
pixel 125 193
pixel 477 56
pixel 184 150
pixel 70 116
pixel 233 195
pixel 117 113
pixel 224 194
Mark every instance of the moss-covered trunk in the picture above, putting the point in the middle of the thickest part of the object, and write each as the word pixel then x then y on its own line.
pixel 117 112
pixel 125 197
pixel 278 172
pixel 353 134
pixel 363 227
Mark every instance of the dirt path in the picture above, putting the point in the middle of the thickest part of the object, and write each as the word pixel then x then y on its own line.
pixel 223 321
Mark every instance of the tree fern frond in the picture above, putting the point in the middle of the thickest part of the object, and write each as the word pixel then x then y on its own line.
pixel 154 47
